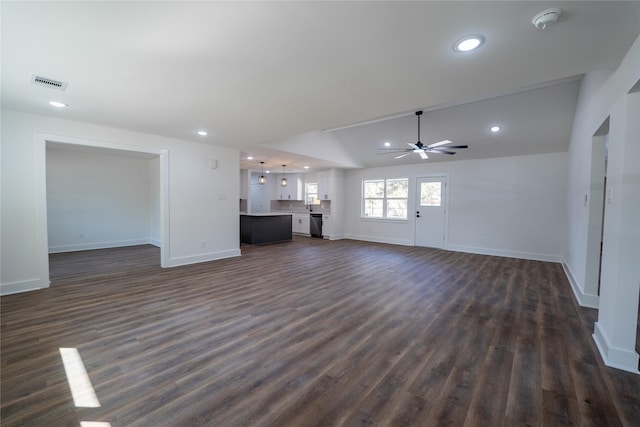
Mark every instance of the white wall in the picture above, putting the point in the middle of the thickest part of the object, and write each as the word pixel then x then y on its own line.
pixel 509 206
pixel 605 95
pixel 97 201
pixel 202 205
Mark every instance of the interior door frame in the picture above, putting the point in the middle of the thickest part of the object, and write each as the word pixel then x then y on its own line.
pixel 41 140
pixel 445 243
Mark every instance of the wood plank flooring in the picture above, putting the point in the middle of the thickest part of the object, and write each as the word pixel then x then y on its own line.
pixel 310 333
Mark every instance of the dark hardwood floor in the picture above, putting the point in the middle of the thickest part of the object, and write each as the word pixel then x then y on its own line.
pixel 310 333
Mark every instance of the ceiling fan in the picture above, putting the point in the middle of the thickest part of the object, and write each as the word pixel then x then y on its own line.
pixel 420 149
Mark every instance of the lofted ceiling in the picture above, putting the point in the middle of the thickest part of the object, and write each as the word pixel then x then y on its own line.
pixel 322 84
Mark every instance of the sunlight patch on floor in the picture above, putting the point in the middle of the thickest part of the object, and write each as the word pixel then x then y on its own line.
pixel 84 396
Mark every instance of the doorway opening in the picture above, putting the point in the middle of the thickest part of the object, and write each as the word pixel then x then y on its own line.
pixel 88 197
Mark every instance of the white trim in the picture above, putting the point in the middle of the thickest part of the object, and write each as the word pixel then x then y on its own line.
pixel 584 300
pixel 376 239
pixel 612 356
pixel 165 232
pixel 212 256
pixel 99 245
pixel 155 242
pixel 42 234
pixel 504 253
pixel 23 286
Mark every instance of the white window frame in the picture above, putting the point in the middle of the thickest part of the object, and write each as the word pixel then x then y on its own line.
pixel 315 200
pixel 385 199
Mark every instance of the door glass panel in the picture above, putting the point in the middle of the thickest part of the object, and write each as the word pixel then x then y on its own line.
pixel 430 194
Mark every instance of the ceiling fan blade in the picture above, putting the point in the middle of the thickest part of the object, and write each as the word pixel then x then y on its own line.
pixel 436 144
pixel 394 152
pixel 451 153
pixel 423 155
pixel 403 155
pixel 450 147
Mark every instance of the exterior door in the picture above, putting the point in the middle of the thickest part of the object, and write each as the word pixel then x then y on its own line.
pixel 431 211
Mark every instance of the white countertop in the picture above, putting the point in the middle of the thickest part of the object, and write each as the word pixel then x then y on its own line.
pixel 265 213
pixel 279 213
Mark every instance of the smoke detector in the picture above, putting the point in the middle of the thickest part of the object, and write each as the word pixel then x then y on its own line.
pixel 546 18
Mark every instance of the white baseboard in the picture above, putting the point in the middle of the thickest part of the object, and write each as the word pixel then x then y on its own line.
pixel 615 357
pixel 98 245
pixel 155 243
pixel 23 286
pixel 212 256
pixel 504 253
pixel 335 237
pixel 584 300
pixel 377 239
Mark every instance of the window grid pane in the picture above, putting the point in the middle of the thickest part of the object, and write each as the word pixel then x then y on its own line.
pixel 373 208
pixel 397 208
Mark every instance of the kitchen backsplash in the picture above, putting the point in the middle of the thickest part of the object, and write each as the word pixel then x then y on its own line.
pixel 299 206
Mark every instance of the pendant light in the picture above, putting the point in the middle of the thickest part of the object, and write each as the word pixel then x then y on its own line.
pixel 262 178
pixel 283 181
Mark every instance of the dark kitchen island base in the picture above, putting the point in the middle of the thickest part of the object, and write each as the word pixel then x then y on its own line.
pixel 261 229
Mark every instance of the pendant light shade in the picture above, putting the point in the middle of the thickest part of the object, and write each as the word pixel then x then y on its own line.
pixel 262 179
pixel 283 181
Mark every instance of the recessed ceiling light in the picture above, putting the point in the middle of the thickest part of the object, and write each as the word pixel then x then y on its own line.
pixel 306 167
pixel 203 133
pixel 468 43
pixel 249 157
pixel 387 144
pixel 267 171
pixel 495 129
pixel 57 104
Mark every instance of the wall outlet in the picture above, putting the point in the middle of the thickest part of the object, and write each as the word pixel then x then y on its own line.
pixel 203 244
pixel 80 235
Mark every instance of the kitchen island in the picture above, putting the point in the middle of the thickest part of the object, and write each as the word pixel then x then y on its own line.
pixel 264 228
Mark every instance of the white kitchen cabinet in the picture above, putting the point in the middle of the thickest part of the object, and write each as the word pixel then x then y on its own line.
pixel 293 190
pixel 326 226
pixel 323 185
pixel 300 223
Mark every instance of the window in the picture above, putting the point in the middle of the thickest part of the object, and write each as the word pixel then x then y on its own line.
pixel 311 193
pixel 385 198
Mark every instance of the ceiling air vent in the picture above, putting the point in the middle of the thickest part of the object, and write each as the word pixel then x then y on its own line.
pixel 50 83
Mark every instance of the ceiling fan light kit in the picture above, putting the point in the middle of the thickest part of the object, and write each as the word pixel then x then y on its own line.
pixel 440 147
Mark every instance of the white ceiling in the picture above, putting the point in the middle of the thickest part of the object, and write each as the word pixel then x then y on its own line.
pixel 256 74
